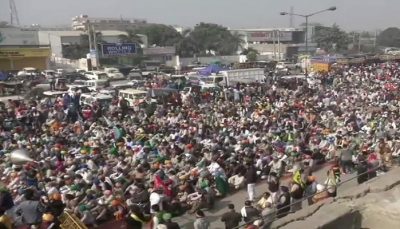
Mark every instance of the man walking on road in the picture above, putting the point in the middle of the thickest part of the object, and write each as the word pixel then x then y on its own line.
pixel 251 179
pixel 231 218
pixel 201 222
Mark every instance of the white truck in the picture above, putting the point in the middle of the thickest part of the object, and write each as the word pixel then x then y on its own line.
pixel 247 75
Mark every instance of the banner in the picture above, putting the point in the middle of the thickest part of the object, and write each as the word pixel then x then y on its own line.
pixel 269 36
pixel 111 50
pixel 24 52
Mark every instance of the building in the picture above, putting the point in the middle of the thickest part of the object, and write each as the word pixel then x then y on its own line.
pixel 275 43
pixel 20 48
pixel 61 39
pixel 81 22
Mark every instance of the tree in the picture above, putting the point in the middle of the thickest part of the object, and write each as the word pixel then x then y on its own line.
pixel 389 37
pixel 251 54
pixel 160 35
pixel 131 37
pixel 331 38
pixel 77 51
pixel 207 38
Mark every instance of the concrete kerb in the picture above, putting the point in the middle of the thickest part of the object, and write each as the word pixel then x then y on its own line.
pixel 338 211
pixel 328 216
pixel 300 215
pixel 378 184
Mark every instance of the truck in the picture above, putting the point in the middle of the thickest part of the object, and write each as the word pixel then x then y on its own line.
pixel 248 75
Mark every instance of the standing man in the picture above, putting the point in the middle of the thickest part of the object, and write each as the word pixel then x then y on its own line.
pixel 201 222
pixel 251 179
pixel 249 212
pixel 231 218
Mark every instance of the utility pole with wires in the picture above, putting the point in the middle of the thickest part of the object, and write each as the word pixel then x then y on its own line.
pixel 291 23
pixel 14 19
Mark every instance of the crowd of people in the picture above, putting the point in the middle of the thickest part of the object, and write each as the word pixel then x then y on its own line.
pixel 145 165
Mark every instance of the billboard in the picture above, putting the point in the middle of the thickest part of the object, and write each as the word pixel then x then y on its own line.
pixel 111 50
pixel 269 36
pixel 16 36
pixel 24 52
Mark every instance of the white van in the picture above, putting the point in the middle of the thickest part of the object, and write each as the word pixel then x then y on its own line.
pixel 96 75
pixel 95 85
pixel 102 99
pixel 133 96
pixel 28 71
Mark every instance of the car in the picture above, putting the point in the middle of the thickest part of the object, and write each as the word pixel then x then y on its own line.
pixel 49 74
pixel 60 72
pixel 96 75
pixel 87 99
pixel 114 73
pixel 78 88
pixel 135 74
pixel 28 71
pixel 75 76
pixel 95 85
pixel 285 65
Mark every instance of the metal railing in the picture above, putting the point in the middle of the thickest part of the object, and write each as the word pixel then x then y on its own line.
pixel 275 217
pixel 70 221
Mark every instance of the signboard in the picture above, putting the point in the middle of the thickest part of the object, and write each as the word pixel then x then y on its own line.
pixel 24 52
pixel 111 50
pixel 16 36
pixel 269 36
pixel 321 67
pixel 169 50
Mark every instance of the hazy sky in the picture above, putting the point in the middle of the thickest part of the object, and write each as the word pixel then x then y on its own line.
pixel 351 14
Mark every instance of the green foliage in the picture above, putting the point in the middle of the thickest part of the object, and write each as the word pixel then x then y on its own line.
pixel 77 51
pixel 160 35
pixel 331 38
pixel 206 38
pixel 251 54
pixel 389 37
pixel 131 37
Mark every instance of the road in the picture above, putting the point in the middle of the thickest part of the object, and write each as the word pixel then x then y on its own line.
pixel 238 198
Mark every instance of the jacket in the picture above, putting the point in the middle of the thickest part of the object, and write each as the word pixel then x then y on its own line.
pixel 249 213
pixel 251 175
pixel 231 219
pixel 31 211
pixel 201 223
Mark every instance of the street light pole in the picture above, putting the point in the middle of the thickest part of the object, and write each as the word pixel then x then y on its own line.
pixel 306 16
pixel 306 63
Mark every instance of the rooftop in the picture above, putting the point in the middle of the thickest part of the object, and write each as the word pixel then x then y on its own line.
pixel 268 29
pixel 78 33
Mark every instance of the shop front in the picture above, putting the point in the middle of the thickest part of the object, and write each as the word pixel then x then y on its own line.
pixel 18 58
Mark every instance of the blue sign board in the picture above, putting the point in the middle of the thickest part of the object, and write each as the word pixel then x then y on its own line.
pixel 126 49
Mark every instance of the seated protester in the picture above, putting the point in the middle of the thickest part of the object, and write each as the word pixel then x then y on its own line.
pixel 331 183
pixel 6 220
pixel 320 195
pixel 362 170
pixel 136 219
pixel 263 202
pixel 169 224
pixel 157 216
pixel 249 213
pixel 236 181
pixel 194 200
pixel 283 203
pixel 87 216
pixel 30 209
